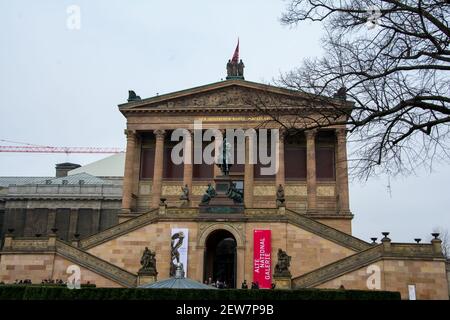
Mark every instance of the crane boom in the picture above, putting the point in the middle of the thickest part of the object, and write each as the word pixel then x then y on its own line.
pixel 44 149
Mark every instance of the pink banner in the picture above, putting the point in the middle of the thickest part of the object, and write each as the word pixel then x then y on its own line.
pixel 262 260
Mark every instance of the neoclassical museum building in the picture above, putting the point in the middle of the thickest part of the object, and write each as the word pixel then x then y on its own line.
pixel 227 221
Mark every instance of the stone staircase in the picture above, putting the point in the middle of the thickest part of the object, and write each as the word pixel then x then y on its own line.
pixel 327 232
pixel 362 259
pixel 118 230
pixel 337 268
pixel 97 265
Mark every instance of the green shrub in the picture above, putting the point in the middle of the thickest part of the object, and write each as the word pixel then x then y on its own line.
pixel 17 292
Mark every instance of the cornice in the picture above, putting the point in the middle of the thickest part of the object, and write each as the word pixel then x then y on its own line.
pixel 147 105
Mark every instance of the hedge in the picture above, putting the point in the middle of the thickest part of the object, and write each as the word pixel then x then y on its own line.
pixel 18 292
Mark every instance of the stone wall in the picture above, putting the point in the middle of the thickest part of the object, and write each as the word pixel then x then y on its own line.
pixel 126 251
pixel 40 266
pixel 308 250
pixel 35 267
pixel 60 267
pixel 429 277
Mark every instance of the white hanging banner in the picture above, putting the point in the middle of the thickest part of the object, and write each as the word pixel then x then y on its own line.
pixel 179 249
pixel 412 292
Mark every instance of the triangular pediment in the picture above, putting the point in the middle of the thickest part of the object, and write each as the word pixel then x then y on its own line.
pixel 224 94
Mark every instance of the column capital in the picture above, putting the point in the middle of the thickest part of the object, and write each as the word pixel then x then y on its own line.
pixel 282 133
pixel 341 133
pixel 159 133
pixel 311 133
pixel 130 133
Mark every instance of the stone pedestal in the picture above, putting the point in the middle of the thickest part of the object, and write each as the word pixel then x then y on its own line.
pixel 282 210
pixel 162 207
pixel 146 278
pixel 7 244
pixel 282 282
pixel 221 203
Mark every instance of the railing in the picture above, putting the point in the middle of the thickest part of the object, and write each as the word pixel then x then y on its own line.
pixel 327 232
pixel 95 264
pixel 363 258
pixel 118 230
pixel 337 268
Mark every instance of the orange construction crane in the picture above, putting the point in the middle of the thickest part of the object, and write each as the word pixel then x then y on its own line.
pixel 31 148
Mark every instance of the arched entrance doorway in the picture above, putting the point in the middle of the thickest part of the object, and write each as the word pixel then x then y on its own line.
pixel 220 258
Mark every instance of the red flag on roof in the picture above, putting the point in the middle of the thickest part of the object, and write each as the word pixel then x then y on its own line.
pixel 236 54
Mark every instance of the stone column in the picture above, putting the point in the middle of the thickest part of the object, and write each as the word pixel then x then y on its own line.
pixel 280 176
pixel 248 176
pixel 51 222
pixel 342 172
pixel 188 163
pixel 158 168
pixel 28 230
pixel 311 182
pixel 95 220
pixel 128 174
pixel 73 222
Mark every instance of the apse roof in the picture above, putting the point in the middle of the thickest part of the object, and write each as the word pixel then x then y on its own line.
pixel 6 181
pixel 177 283
pixel 70 180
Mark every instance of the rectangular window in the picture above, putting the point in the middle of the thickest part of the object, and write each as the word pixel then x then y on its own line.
pixel 325 163
pixel 62 221
pixel 202 171
pixel 84 223
pixel 147 162
pixel 258 165
pixel 36 222
pixel 19 221
pixel 171 171
pixel 295 162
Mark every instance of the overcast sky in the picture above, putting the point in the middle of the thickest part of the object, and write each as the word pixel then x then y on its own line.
pixel 61 87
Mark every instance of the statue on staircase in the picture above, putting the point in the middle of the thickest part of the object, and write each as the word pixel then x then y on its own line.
pixel 280 196
pixel 148 262
pixel 283 264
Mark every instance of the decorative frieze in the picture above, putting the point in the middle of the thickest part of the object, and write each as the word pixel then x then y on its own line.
pixel 171 190
pixel 264 190
pixel 295 190
pixel 325 191
pixel 199 190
